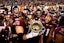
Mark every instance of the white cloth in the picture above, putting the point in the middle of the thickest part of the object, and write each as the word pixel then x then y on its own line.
pixel 5 24
pixel 47 32
pixel 31 35
pixel 2 27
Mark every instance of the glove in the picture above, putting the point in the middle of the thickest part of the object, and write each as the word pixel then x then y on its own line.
pixel 31 35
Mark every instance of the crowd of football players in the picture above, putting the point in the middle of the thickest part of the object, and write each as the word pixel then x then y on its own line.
pixel 15 21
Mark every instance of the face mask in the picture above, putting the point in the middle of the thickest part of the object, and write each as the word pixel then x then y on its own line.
pixel 25 11
pixel 47 19
pixel 38 12
pixel 7 18
pixel 29 16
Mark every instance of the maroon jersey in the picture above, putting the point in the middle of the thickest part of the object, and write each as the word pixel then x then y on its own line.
pixel 52 24
pixel 42 18
pixel 58 29
pixel 19 22
pixel 13 15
